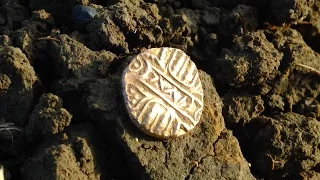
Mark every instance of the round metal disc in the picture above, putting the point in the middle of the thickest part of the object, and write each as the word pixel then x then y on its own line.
pixel 162 92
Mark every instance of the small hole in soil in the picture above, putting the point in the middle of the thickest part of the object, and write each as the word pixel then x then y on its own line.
pixel 43 67
pixel 269 36
pixel 225 41
pixel 115 65
pixel 72 101
pixel 317 167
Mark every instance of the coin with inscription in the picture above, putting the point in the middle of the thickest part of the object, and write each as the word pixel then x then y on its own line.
pixel 163 92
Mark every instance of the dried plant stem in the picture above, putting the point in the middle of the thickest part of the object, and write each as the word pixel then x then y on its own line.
pixel 274 162
pixel 9 127
pixel 48 38
pixel 309 68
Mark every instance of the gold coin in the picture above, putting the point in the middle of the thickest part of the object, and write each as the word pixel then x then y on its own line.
pixel 163 92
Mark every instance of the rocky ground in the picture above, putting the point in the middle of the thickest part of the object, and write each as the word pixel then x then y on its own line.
pixel 61 110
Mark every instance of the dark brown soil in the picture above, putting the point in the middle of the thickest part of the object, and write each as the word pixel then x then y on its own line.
pixel 62 114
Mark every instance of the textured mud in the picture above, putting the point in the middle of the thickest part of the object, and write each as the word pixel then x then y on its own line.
pixel 61 109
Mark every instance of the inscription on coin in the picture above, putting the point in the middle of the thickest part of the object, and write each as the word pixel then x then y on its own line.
pixel 163 92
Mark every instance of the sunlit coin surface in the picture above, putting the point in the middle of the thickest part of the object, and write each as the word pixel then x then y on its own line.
pixel 163 92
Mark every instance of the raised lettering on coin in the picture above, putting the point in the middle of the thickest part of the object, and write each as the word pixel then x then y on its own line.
pixel 162 92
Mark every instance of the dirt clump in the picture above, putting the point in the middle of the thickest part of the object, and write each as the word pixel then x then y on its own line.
pixel 240 20
pixel 241 108
pixel 122 22
pixel 28 37
pixel 68 155
pixel 252 61
pixel 291 10
pixel 75 64
pixel 285 145
pixel 298 88
pixel 18 79
pixel 12 13
pixel 47 118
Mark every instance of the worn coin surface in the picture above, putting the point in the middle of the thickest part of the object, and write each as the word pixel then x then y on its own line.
pixel 163 92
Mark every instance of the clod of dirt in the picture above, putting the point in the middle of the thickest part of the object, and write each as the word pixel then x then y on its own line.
pixel 241 107
pixel 102 100
pixel 18 80
pixel 27 37
pixel 60 10
pixel 299 87
pixel 180 30
pixel 311 30
pixel 240 20
pixel 47 118
pixel 5 83
pixel 211 17
pixel 105 34
pixel 75 64
pixel 43 16
pixel 186 157
pixel 70 155
pixel 227 163
pixel 252 61
pixel 285 145
pixel 5 40
pixel 276 103
pixel 131 2
pixel 291 10
pixel 120 23
pixel 12 13
pixel 310 175
pixel 140 23
pixel 295 49
pixel 184 23
pixel 297 91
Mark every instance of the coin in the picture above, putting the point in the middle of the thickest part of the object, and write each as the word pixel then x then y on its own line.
pixel 162 92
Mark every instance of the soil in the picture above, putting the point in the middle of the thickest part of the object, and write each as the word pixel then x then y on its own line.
pixel 61 109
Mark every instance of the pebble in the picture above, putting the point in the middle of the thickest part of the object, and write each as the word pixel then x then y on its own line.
pixel 82 14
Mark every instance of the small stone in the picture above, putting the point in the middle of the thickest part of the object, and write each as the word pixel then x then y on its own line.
pixel 82 14
pixel 162 92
